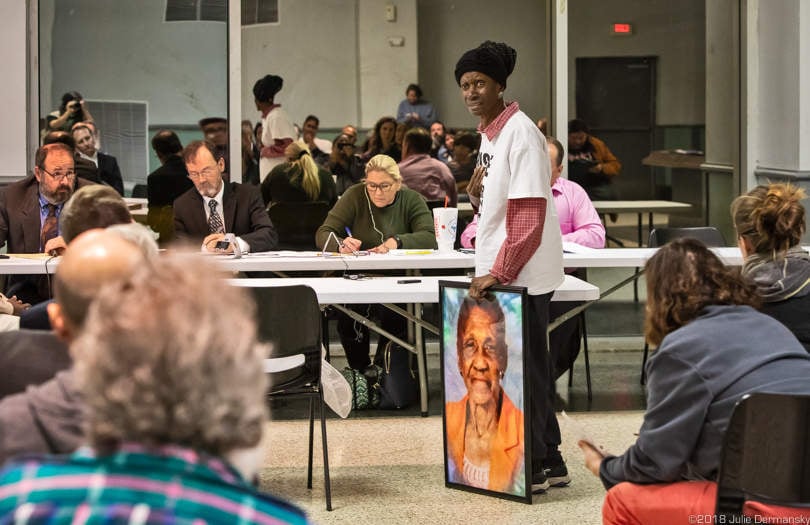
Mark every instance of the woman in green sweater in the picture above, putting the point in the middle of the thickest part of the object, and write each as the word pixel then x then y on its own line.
pixel 377 215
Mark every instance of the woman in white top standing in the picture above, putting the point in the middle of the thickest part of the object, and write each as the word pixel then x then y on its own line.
pixel 518 241
pixel 278 130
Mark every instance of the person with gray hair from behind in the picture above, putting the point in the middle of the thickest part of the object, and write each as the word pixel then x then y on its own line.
pixel 174 390
pixel 47 417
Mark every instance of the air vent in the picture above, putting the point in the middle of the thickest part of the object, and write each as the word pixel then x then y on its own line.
pixel 123 129
pixel 259 12
pixel 196 10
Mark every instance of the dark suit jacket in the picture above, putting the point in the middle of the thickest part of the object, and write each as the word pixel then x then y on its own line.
pixel 86 169
pixel 19 229
pixel 243 212
pixel 109 173
pixel 29 357
pixel 168 182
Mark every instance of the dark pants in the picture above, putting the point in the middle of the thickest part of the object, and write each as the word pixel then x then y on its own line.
pixel 355 337
pixel 564 341
pixel 545 429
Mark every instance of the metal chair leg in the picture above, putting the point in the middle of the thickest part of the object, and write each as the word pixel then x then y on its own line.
pixel 327 482
pixel 585 351
pixel 311 431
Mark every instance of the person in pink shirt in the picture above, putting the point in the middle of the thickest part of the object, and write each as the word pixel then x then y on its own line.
pixel 580 224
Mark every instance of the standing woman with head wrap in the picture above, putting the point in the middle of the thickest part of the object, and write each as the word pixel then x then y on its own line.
pixel 518 239
pixel 277 128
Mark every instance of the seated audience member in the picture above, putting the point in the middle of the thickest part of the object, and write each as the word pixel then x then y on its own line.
pixel 85 169
pixel 351 132
pixel 166 183
pixel 415 111
pixel 713 348
pixel 429 177
pixel 449 143
pixel 29 215
pixel 299 179
pixel 344 164
pixel 318 147
pixel 108 171
pixel 378 216
pixel 205 213
pixel 438 149
pixel 174 394
pixel 591 164
pixel 250 156
pixel 47 417
pixel 94 206
pixel 770 223
pixel 465 154
pixel 215 131
pixel 381 141
pixel 72 110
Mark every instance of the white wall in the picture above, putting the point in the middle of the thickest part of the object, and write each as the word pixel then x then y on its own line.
pixel 13 91
pixel 675 32
pixel 122 50
pixel 335 59
pixel 448 28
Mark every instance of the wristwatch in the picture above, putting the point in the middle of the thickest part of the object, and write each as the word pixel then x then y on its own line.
pixel 398 240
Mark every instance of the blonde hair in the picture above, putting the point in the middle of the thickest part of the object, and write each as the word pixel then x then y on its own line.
pixel 299 157
pixel 385 164
pixel 770 217
pixel 160 362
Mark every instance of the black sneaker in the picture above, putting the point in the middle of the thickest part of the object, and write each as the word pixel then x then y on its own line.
pixel 539 483
pixel 557 476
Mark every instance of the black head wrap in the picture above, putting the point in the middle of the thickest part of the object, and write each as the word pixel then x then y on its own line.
pixel 266 87
pixel 494 59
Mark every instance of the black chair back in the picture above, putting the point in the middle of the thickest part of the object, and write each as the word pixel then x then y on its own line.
pixel 708 235
pixel 766 454
pixel 139 191
pixel 290 319
pixel 297 222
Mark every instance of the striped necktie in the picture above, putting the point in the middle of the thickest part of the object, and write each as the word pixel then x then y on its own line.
pixel 215 224
pixel 50 227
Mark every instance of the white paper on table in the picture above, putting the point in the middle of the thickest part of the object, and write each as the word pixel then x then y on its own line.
pixel 572 247
pixel 579 433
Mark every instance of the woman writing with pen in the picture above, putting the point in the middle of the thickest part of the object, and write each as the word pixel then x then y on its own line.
pixel 377 215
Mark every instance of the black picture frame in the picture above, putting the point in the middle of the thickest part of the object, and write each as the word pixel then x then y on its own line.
pixel 511 453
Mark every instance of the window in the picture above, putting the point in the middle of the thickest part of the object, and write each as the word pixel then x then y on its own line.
pixel 259 12
pixel 193 10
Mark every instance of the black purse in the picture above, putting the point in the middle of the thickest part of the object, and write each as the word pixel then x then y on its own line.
pixel 396 379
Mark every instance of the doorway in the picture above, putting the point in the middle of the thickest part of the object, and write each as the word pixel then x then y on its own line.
pixel 616 97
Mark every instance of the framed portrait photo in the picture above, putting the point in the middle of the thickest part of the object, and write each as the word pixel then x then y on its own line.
pixel 487 445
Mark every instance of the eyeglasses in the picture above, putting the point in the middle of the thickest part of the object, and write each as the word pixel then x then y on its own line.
pixel 384 187
pixel 206 173
pixel 59 176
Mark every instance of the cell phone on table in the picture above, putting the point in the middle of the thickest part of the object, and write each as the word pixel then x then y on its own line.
pixel 222 245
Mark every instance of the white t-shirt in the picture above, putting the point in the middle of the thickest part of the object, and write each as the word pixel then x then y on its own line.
pixel 276 125
pixel 518 168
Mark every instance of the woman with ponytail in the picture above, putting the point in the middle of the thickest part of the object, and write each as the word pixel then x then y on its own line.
pixel 299 179
pixel 770 223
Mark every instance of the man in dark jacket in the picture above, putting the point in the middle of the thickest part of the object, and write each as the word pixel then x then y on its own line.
pixel 166 183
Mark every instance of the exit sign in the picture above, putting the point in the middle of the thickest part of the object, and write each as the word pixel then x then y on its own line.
pixel 621 29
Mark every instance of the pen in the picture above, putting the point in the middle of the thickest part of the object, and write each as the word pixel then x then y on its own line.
pixel 348 231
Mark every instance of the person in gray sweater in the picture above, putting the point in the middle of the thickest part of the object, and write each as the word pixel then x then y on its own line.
pixel 770 224
pixel 713 348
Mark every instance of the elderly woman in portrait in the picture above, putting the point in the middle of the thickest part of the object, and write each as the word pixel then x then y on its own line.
pixel 378 216
pixel 770 223
pixel 713 348
pixel 174 389
pixel 299 179
pixel 484 428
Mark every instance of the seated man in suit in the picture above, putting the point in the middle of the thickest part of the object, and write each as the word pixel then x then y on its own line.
pixel 205 213
pixel 108 171
pixel 166 183
pixel 29 215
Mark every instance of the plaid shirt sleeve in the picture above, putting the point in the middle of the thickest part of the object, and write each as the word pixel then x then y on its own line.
pixel 524 231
